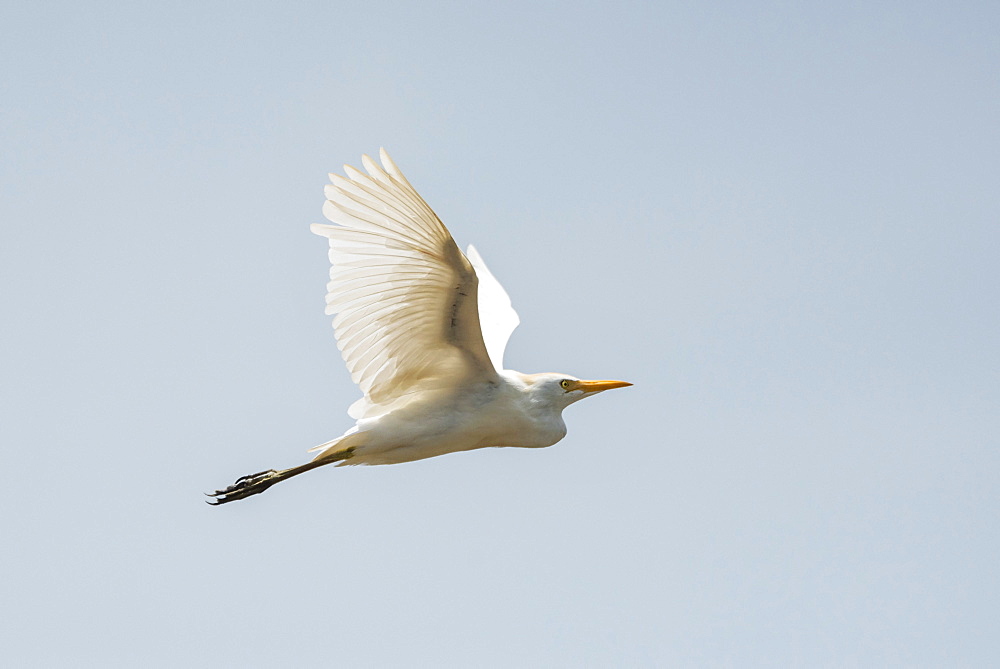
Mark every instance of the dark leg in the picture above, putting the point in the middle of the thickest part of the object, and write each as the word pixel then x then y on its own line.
pixel 254 484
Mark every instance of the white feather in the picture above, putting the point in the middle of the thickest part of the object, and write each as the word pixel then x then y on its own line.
pixel 497 317
pixel 405 298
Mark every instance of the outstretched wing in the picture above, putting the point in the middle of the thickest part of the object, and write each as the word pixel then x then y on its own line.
pixel 405 296
pixel 496 315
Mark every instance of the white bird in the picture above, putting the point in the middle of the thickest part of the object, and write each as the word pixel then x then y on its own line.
pixel 422 328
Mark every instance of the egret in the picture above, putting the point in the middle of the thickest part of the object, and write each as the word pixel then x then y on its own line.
pixel 422 328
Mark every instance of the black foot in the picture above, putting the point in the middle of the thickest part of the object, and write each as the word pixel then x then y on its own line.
pixel 245 486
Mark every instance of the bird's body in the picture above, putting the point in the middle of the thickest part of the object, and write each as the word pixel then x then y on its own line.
pixel 422 328
pixel 480 415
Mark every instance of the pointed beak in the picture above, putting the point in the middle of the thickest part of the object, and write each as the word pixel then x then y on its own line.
pixel 598 386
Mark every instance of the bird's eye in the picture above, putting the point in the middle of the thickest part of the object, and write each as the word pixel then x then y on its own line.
pixel 564 384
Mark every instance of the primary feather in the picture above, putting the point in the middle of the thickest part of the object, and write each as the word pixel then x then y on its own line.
pixel 405 296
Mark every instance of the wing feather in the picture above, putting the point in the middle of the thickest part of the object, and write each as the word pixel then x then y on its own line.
pixel 496 315
pixel 405 297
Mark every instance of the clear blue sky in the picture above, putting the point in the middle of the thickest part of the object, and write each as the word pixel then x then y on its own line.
pixel 781 222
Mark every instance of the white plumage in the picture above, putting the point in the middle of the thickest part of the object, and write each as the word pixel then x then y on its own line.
pixel 422 328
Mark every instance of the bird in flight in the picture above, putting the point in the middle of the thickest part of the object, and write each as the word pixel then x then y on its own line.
pixel 422 328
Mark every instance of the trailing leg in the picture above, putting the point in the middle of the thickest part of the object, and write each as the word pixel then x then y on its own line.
pixel 254 484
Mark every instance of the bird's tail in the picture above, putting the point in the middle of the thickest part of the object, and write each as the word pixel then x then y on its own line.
pixel 352 440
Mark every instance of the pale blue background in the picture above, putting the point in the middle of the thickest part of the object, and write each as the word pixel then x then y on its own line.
pixel 779 222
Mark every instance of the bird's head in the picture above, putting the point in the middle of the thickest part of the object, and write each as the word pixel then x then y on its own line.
pixel 562 389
